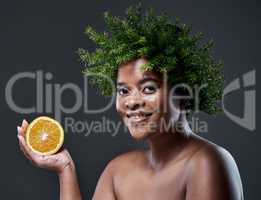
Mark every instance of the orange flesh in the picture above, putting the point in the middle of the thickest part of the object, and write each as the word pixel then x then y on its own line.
pixel 44 136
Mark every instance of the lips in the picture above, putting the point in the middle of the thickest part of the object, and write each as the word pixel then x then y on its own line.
pixel 138 116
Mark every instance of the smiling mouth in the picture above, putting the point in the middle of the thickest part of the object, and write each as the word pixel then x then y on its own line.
pixel 138 117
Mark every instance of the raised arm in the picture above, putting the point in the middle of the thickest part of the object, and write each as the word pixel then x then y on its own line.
pixel 69 187
pixel 61 163
pixel 213 174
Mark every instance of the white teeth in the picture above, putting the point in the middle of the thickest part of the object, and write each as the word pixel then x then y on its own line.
pixel 137 116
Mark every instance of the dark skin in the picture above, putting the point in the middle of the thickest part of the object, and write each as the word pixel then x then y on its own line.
pixel 178 165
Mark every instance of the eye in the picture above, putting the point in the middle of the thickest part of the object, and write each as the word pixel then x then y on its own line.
pixel 150 89
pixel 122 91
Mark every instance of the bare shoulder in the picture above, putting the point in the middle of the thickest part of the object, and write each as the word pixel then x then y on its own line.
pixel 214 167
pixel 213 156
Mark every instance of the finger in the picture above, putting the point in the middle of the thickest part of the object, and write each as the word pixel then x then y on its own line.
pixel 24 124
pixel 20 131
pixel 22 146
pixel 26 154
pixel 24 127
pixel 31 156
pixel 26 149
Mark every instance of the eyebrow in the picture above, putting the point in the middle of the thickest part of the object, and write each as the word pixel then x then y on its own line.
pixel 148 79
pixel 141 81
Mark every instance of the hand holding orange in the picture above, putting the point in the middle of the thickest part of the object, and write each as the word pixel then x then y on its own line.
pixel 44 135
pixel 40 140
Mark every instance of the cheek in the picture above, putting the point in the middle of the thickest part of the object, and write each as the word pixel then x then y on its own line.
pixel 155 101
pixel 153 98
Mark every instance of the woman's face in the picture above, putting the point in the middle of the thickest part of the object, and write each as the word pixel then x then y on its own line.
pixel 141 99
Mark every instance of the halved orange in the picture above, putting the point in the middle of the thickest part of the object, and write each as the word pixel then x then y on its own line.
pixel 44 135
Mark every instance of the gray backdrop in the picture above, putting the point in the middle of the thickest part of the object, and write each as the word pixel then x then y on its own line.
pixel 44 35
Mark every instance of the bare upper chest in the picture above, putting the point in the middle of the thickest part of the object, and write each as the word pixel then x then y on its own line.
pixel 138 183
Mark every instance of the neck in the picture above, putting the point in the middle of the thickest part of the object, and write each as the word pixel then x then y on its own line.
pixel 166 146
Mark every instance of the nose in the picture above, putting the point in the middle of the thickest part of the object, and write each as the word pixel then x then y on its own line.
pixel 134 103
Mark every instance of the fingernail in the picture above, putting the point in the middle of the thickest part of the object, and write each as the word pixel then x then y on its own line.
pixel 18 129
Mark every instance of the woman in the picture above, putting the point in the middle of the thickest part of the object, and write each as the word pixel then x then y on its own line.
pixel 179 165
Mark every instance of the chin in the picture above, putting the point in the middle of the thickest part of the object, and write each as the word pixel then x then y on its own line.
pixel 141 130
pixel 140 133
